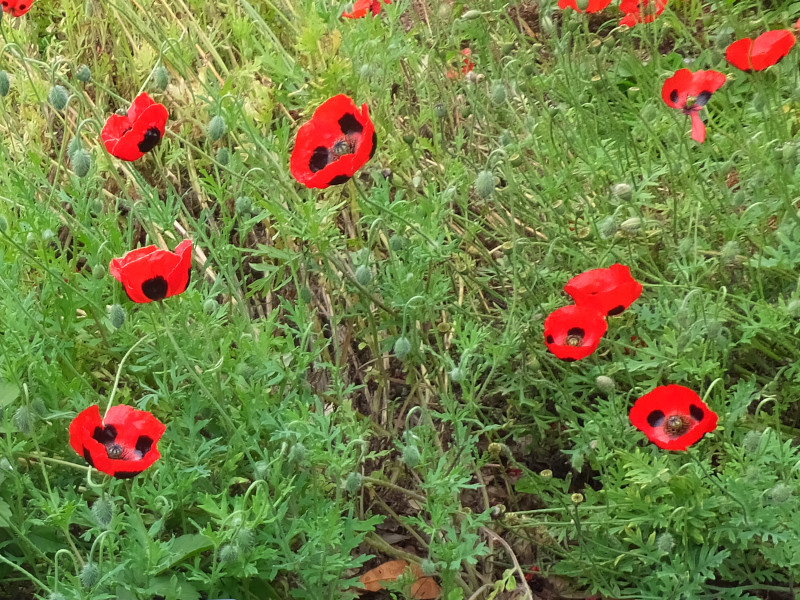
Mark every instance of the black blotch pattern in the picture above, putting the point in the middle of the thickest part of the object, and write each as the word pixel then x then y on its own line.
pixel 339 179
pixel 550 339
pixel 349 124
pixel 655 418
pixel 126 474
pixel 319 159
pixel 673 95
pixel 696 412
pixel 155 288
pixel 615 311
pixel 87 457
pixel 105 436
pixel 143 444
pixel 702 98
pixel 569 360
pixel 151 138
pixel 374 144
pixel 576 331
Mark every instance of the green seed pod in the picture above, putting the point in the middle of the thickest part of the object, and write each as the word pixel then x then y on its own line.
pixel 411 456
pixel 440 111
pixel 22 420
pixel 98 271
pixel 229 553
pixel 498 94
pixel 665 542
pixel 298 453
pixel 160 78
pixel 402 347
pixel 84 74
pixel 409 138
pixel 81 162
pixel 623 191
pixel 605 384
pixel 729 255
pixel 471 15
pixel 353 482
pixel 223 156
pixel 216 128
pixel 117 315
pixel 243 206
pixel 90 575
pixel 363 275
pixel 5 84
pixel 751 441
pixel 103 511
pixel 58 97
pixel 3 224
pixel 210 306
pixel 780 493
pixel 484 184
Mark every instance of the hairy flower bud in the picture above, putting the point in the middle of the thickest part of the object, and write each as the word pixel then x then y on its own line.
pixel 243 206
pixel 210 306
pixel 103 511
pixel 484 184
pixel 665 542
pixel 90 575
pixel 58 97
pixel 751 441
pixel 402 347
pixel 363 274
pixel 216 128
pixel 84 74
pixel 411 456
pixel 605 384
pixel 353 482
pixel 160 78
pixel 117 315
pixel 81 162
pixel 223 156
pixel 5 84
pixel 228 553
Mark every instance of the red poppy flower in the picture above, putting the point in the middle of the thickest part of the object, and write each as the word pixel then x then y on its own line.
pixel 592 6
pixel 122 445
pixel 151 274
pixel 466 64
pixel 641 11
pixel 337 141
pixel 673 417
pixel 129 136
pixel 16 8
pixel 609 291
pixel 361 8
pixel 766 50
pixel 689 92
pixel 574 332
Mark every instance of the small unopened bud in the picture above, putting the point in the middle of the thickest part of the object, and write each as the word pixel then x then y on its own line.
pixel 216 128
pixel 22 420
pixel 751 441
pixel 363 274
pixel 623 191
pixel 3 224
pixel 81 162
pixel 632 225
pixel 160 78
pixel 98 271
pixel 74 145
pixel 547 25
pixel 223 156
pixel 605 384
pixel 780 493
pixel 411 456
pixel 498 94
pixel 117 315
pixel 88 9
pixel 729 255
pixel 56 596
pixel 246 539
pixel 793 308
pixel 484 184
pixel 409 138
pixel 5 84
pixel 103 511
pixel 84 74
pixel 297 454
pixel 471 15
pixel 440 111
pixel 576 498
pixel 397 243
pixel 353 482
pixel 228 553
pixel 261 469
pixel 607 227
pixel 456 374
pixel 58 97
pixel 210 306
pixel 495 449
pixel 665 542
pixel 243 206
pixel 402 347
pixel 428 567
pixel 90 575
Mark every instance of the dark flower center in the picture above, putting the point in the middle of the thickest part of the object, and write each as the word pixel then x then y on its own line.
pixel 677 425
pixel 342 147
pixel 575 336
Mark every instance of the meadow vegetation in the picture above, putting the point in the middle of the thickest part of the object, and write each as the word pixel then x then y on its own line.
pixel 358 374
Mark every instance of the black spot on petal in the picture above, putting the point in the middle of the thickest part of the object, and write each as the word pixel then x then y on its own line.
pixel 143 444
pixel 673 95
pixel 87 457
pixel 655 418
pixel 576 331
pixel 702 98
pixel 696 412
pixel 374 144
pixel 615 311
pixel 126 474
pixel 349 124
pixel 155 288
pixel 339 179
pixel 151 138
pixel 550 339
pixel 105 436
pixel 319 159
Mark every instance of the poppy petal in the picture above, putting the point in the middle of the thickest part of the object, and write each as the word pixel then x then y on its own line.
pixel 770 47
pixel 698 128
pixel 609 291
pixel 675 91
pixel 738 54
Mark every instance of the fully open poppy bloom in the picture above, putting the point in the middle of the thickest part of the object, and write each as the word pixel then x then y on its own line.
pixel 609 291
pixel 592 6
pixel 689 92
pixel 574 332
pixel 673 417
pixel 764 51
pixel 122 445
pixel 129 136
pixel 641 11
pixel 337 141
pixel 149 274
pixel 16 8
pixel 361 8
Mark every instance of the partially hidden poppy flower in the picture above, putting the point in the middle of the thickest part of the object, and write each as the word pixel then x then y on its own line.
pixel 574 332
pixel 337 141
pixel 641 11
pixel 149 273
pixel 122 445
pixel 587 6
pixel 361 8
pixel 673 417
pixel 129 136
pixel 764 51
pixel 689 92
pixel 16 8
pixel 609 291
pixel 466 64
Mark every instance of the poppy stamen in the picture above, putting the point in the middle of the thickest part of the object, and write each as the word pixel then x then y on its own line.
pixel 343 147
pixel 575 336
pixel 114 451
pixel 677 425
